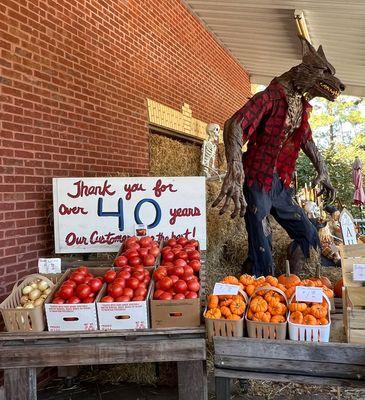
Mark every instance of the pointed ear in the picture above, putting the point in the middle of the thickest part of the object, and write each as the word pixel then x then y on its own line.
pixel 320 52
pixel 307 48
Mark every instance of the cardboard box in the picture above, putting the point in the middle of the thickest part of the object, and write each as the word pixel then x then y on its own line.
pixel 72 317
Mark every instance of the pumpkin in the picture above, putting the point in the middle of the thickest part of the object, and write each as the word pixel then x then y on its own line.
pixel 277 319
pixel 271 280
pixel 316 281
pixel 262 317
pixel 213 301
pixel 214 313
pixel 289 281
pixel 237 307
pixel 250 313
pixel 225 311
pixel 296 317
pixel 318 311
pixel 281 287
pixel 277 309
pixel 338 288
pixel 294 306
pixel 246 279
pixel 232 280
pixel 234 317
pixel 259 304
pixel 322 321
pixel 326 282
pixel 307 282
pixel 328 292
pixel 263 291
pixel 289 292
pixel 309 320
pixel 259 281
pixel 250 289
pixel 225 303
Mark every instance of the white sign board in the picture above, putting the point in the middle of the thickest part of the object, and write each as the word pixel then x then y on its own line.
pixel 96 214
pixel 225 289
pixel 347 228
pixel 49 265
pixel 309 293
pixel 359 272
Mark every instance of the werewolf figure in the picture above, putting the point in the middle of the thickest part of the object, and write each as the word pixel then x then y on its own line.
pixel 274 123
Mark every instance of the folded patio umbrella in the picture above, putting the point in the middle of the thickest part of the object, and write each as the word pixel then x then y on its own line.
pixel 359 195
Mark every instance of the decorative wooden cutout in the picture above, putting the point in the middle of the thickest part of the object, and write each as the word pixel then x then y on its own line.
pixel 347 228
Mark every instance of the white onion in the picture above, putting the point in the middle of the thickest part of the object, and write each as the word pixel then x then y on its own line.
pixel 29 305
pixel 38 302
pixel 42 286
pixel 35 294
pixel 27 289
pixel 34 285
pixel 23 300
pixel 47 291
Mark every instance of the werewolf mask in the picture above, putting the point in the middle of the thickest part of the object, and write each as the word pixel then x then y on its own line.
pixel 315 76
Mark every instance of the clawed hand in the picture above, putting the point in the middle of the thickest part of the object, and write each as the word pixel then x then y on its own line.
pixel 327 189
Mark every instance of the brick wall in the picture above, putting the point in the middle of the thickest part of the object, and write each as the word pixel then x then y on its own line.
pixel 74 79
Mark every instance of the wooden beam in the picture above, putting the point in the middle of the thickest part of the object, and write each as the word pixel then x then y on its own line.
pixel 20 384
pixel 192 380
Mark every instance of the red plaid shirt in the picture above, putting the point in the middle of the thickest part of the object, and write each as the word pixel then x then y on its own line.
pixel 268 150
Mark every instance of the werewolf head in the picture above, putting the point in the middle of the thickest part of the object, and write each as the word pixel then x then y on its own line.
pixel 315 76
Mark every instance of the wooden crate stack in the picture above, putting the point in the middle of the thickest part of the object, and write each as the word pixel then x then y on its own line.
pixel 353 295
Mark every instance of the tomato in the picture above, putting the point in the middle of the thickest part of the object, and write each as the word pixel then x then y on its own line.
pixel 182 241
pixel 142 285
pixel 165 249
pixel 176 251
pixel 138 267
pixel 78 277
pixel 149 260
pixel 83 270
pixel 87 279
pixel 101 278
pixel 188 270
pixel 66 292
pixel 177 247
pixel 127 268
pixel 83 291
pixel 110 276
pixel 137 298
pixel 188 249
pixel 160 273
pixel 170 270
pixel 130 240
pixel 88 300
pixel 92 295
pixel 194 255
pixel 193 286
pixel 115 290
pixel 145 241
pixel 121 261
pixel 132 283
pixel 147 273
pixel 69 282
pixel 158 284
pixel 140 292
pixel 174 278
pixel 130 254
pixel 168 256
pixel 191 295
pixel 143 251
pixel 128 292
pixel 171 242
pixel 139 275
pixel 195 264
pixel 180 262
pixel 124 274
pixel 179 296
pixel 180 286
pixel 122 299
pixel 166 283
pixel 155 244
pixel 107 299
pixel 165 296
pixel 134 261
pixel 58 300
pixel 120 282
pixel 73 300
pixel 179 271
pixel 188 277
pixel 154 251
pixel 182 254
pixel 157 294
pixel 168 264
pixel 133 246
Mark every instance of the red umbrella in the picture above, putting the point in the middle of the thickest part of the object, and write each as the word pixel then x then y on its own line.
pixel 359 195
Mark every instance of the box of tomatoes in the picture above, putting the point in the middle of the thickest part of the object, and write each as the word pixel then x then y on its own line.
pixel 176 285
pixel 71 305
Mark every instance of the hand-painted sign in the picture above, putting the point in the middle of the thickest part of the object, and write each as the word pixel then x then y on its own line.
pixel 96 214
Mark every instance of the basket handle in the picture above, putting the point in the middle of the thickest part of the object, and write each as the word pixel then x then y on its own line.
pixel 324 295
pixel 30 278
pixel 267 289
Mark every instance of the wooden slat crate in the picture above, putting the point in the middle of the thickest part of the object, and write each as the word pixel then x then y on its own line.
pixel 350 255
pixel 354 314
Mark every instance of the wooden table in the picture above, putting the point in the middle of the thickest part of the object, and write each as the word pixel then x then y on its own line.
pixel 333 363
pixel 21 354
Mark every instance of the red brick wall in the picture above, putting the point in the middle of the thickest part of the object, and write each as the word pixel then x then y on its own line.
pixel 74 79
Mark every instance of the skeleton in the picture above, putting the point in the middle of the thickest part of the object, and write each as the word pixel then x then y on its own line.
pixel 312 209
pixel 209 150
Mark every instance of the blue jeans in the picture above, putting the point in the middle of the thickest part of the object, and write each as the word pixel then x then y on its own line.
pixel 280 204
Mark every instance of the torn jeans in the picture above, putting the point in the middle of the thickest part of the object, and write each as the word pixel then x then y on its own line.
pixel 280 204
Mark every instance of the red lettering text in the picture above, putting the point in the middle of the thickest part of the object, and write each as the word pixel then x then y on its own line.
pixel 84 190
pixel 136 187
pixel 72 239
pixel 183 212
pixel 160 188
pixel 64 210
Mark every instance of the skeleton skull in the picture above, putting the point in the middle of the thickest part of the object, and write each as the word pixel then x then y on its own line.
pixel 212 131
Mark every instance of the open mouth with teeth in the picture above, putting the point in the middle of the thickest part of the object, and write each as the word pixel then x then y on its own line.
pixel 328 90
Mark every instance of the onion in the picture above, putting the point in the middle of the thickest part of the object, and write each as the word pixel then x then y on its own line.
pixel 34 285
pixel 38 302
pixel 27 289
pixel 47 291
pixel 34 294
pixel 19 307
pixel 42 286
pixel 29 305
pixel 23 300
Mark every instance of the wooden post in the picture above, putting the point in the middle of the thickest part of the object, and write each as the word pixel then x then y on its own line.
pixel 20 384
pixel 222 388
pixel 192 380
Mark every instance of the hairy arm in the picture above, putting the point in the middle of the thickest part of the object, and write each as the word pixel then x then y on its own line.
pixel 311 151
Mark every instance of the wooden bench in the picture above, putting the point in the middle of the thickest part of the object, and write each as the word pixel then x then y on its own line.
pixel 339 364
pixel 21 354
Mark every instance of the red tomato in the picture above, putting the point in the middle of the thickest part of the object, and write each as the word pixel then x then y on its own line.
pixel 58 300
pixel 170 270
pixel 83 270
pixel 89 275
pixel 182 254
pixel 149 260
pixel 194 255
pixel 132 283
pixel 177 247
pixel 168 264
pixel 145 241
pixel 134 261
pixel 179 271
pixel 115 290
pixel 133 246
pixel 123 299
pixel 73 300
pixel 174 278
pixel 140 292
pixel 180 262
pixel 131 239
pixel 168 256
pixel 120 282
pixel 171 242
pixel 77 277
pixel 124 274
pixel 165 296
pixel 121 261
pixel 130 254
pixel 166 283
pixel 195 264
pixel 157 294
pixel 139 275
pixel 110 276
pixel 182 241
pixel 155 244
pixel 92 295
pixel 143 251
pixel 160 273
pixel 175 252
pixel 83 291
pixel 69 282
pixel 188 249
pixel 88 300
pixel 188 277
pixel 180 286
pixel 101 278
pixel 66 292
pixel 193 286
pixel 188 270
pixel 193 243
pixel 158 284
pixel 137 298
pixel 179 296
pixel 146 273
pixel 142 285
pixel 191 295
pixel 127 268
pixel 138 267
pixel 154 251
pixel 166 249
pixel 128 292
pixel 107 299
pixel 87 279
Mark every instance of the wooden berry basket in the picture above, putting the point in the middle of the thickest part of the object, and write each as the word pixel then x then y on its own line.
pixel 266 330
pixel 24 319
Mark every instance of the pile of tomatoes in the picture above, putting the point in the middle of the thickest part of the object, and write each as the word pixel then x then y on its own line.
pixel 177 277
pixel 143 251
pixel 127 284
pixel 80 287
